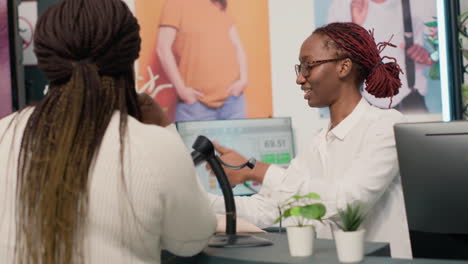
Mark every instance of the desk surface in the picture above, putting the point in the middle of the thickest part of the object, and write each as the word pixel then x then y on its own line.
pixel 384 260
pixel 324 253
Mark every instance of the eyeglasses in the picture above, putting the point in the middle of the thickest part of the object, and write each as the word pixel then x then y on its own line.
pixel 305 67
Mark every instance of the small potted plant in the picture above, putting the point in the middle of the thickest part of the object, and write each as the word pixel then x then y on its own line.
pixel 349 237
pixel 301 208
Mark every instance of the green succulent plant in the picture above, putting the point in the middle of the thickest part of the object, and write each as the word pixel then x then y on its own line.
pixel 351 218
pixel 302 208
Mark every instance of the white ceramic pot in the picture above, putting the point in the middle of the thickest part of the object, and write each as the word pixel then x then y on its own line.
pixel 350 245
pixel 301 240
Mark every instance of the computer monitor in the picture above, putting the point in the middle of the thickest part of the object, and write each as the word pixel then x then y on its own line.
pixel 267 139
pixel 433 159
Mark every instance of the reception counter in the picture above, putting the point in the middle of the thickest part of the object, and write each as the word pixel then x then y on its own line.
pixel 324 252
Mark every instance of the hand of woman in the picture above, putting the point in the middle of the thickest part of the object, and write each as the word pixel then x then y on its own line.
pixel 232 157
pixel 237 88
pixel 189 95
pixel 419 54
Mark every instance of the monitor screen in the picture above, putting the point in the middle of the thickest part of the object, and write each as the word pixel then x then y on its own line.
pixel 433 159
pixel 267 139
pixel 5 71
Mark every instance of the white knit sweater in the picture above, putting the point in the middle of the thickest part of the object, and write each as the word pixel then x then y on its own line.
pixel 171 208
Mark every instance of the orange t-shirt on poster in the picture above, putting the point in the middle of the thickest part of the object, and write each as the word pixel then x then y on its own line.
pixel 203 48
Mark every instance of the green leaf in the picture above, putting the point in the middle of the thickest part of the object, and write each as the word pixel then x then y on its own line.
pixel 313 196
pixel 351 218
pixel 287 213
pixel 434 72
pixel 307 196
pixel 465 53
pixel 296 211
pixel 297 197
pixel 300 207
pixel 284 215
pixel 431 24
pixel 465 89
pixel 313 211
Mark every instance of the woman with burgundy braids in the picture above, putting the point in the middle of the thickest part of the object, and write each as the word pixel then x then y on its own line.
pixel 83 179
pixel 351 161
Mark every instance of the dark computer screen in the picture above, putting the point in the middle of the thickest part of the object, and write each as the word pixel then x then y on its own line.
pixel 433 159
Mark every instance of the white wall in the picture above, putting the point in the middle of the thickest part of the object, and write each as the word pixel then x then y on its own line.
pixel 290 23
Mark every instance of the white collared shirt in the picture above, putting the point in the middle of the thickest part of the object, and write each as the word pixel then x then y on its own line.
pixel 354 162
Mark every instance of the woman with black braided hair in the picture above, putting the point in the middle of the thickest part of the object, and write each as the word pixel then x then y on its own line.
pixel 82 178
pixel 353 159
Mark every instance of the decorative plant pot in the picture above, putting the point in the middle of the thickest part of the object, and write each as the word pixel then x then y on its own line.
pixel 350 245
pixel 301 240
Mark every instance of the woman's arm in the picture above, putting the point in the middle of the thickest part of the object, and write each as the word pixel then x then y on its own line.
pixel 239 85
pixel 166 38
